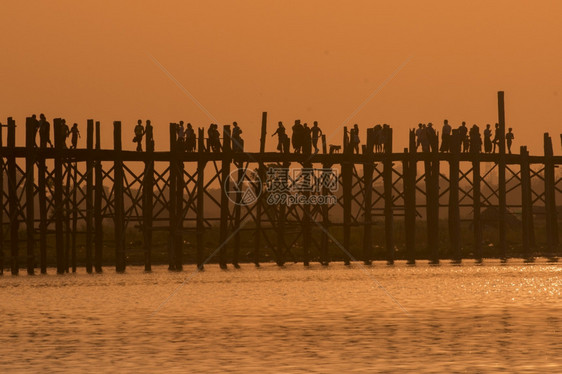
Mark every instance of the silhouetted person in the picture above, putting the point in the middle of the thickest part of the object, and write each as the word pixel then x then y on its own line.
pixel 463 133
pixel 384 137
pixel 75 134
pixel 237 141
pixel 488 139
pixel 354 139
pixel 149 134
pixel 181 132
pixel 419 131
pixel 283 139
pixel 316 134
pixel 213 138
pixel 432 137
pixel 297 136
pixel 496 140
pixel 190 139
pixel 65 132
pixel 139 133
pixel 446 137
pixel 36 127
pixel 509 139
pixel 377 138
pixel 475 140
pixel 423 138
pixel 44 131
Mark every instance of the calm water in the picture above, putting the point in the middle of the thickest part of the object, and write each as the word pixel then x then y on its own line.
pixel 467 318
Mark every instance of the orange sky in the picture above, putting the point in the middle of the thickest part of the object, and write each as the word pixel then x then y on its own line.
pixel 313 60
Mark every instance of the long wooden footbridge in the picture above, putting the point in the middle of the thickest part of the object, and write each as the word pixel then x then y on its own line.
pixel 53 197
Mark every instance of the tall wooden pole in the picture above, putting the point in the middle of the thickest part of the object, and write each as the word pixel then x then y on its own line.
pixel 98 200
pixel 119 213
pixel 501 178
pixel 368 167
pixel 410 200
pixel 226 186
pixel 388 200
pixel 526 203
pixel 30 192
pixel 476 220
pixel 454 213
pixel 13 197
pixel 200 230
pixel 42 186
pixel 89 194
pixel 59 206
pixel 148 202
pixel 1 201
pixel 172 199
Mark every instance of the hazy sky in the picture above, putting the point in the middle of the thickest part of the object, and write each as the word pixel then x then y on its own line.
pixel 313 60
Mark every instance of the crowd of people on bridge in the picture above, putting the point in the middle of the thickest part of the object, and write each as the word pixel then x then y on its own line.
pixel 304 139
pixel 42 127
pixel 470 139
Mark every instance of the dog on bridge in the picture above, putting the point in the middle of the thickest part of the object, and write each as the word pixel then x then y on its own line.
pixel 335 148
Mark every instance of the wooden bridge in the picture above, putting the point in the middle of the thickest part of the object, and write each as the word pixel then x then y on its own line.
pixel 51 197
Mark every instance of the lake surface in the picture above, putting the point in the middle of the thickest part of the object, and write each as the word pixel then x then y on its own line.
pixel 490 318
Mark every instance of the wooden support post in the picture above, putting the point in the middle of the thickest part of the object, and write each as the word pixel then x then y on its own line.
pixel 200 230
pixel 306 212
pixel 454 212
pixel 346 174
pixel 13 197
pixel 324 148
pixel 1 202
pixel 42 186
pixel 432 196
pixel 148 202
pixel 281 217
pixel 172 199
pixel 263 132
pixel 30 192
pixel 67 195
pixel 89 194
pixel 550 197
pixel 180 187
pixel 324 253
pixel 259 191
pixel 476 221
pixel 98 199
pixel 74 216
pixel 501 178
pixel 59 205
pixel 237 213
pixel 225 205
pixel 368 167
pixel 410 200
pixel 388 200
pixel 119 214
pixel 526 203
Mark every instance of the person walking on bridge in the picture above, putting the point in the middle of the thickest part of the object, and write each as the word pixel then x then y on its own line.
pixel 316 134
pixel 282 138
pixel 509 139
pixel 44 131
pixel 75 134
pixel 139 133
